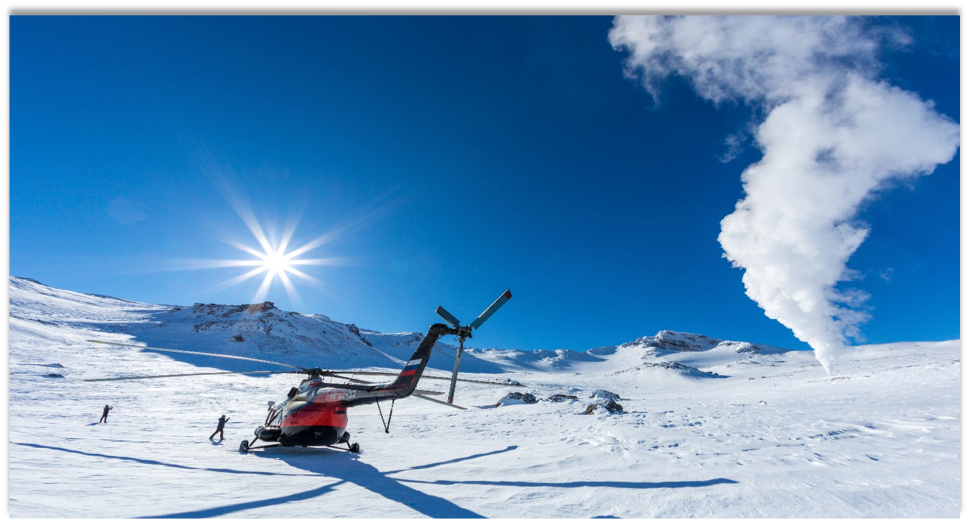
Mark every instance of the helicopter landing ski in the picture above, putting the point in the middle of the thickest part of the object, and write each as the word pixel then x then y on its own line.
pixel 315 412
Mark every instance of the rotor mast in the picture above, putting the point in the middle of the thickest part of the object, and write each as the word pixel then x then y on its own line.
pixel 464 332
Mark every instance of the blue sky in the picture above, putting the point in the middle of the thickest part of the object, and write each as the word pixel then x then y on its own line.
pixel 445 159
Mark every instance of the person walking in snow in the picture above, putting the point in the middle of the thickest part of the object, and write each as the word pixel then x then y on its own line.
pixel 218 429
pixel 104 415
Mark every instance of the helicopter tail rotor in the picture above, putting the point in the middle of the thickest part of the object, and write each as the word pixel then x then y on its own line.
pixel 500 301
pixel 449 318
pixel 464 332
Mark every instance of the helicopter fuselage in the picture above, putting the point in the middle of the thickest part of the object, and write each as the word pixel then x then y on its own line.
pixel 315 413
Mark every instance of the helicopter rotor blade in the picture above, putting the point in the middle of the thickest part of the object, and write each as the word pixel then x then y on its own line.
pixel 428 393
pixel 378 373
pixel 449 318
pixel 301 369
pixel 438 401
pixel 491 309
pixel 334 375
pixel 474 381
pixel 187 374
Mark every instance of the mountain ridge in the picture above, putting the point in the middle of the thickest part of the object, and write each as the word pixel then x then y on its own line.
pixel 263 331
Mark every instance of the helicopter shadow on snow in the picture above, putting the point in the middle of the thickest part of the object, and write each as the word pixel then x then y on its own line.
pixel 347 468
pixel 322 460
pixel 353 470
pixel 142 461
pixel 350 468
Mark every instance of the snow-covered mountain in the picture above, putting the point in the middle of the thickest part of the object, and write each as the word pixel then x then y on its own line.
pixel 251 330
pixel 265 332
pixel 679 424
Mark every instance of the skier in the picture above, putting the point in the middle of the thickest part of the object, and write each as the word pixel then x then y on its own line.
pixel 218 429
pixel 104 415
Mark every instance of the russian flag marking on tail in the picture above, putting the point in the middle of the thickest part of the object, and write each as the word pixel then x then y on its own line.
pixel 411 367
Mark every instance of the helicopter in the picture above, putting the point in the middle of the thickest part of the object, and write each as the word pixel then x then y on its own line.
pixel 314 413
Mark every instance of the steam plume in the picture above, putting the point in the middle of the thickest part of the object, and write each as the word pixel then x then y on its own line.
pixel 833 136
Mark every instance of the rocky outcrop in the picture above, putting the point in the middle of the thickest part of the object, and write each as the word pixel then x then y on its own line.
pixel 609 406
pixel 514 398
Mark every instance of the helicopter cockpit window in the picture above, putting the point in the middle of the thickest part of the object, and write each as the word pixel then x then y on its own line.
pixel 309 386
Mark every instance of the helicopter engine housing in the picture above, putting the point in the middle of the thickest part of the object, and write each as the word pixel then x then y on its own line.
pixel 267 433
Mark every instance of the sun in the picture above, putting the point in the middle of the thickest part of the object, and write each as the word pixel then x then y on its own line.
pixel 273 260
pixel 276 262
pixel 275 255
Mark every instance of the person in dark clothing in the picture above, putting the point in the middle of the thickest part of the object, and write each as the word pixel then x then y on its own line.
pixel 104 415
pixel 218 429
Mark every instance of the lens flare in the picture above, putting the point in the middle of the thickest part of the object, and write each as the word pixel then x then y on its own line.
pixel 275 261
pixel 274 256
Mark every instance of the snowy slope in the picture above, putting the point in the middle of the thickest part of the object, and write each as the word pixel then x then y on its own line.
pixel 256 330
pixel 710 428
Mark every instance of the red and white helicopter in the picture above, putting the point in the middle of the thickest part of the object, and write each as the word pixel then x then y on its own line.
pixel 315 412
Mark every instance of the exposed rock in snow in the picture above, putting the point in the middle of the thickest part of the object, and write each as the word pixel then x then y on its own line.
pixel 604 401
pixel 747 347
pixel 609 406
pixel 684 370
pixel 562 397
pixel 356 331
pixel 675 341
pixel 515 398
pixel 603 395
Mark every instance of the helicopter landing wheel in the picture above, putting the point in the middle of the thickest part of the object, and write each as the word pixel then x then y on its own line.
pixel 244 446
pixel 354 448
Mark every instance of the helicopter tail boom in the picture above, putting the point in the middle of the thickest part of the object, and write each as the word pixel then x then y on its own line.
pixel 406 381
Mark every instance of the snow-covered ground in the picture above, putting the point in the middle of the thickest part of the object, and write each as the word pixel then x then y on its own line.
pixel 708 429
